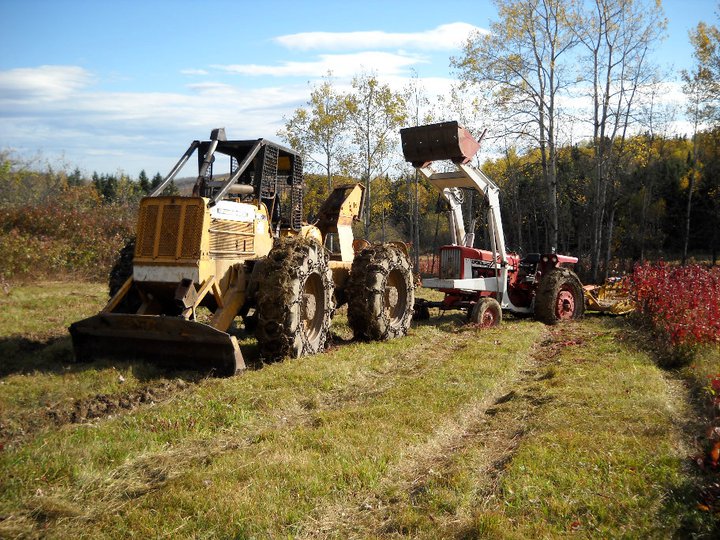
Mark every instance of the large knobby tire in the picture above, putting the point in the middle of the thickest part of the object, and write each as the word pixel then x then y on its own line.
pixel 486 313
pixel 380 293
pixel 120 272
pixel 294 300
pixel 559 297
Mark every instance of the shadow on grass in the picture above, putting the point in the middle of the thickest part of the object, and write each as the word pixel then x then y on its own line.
pixel 21 355
pixel 24 355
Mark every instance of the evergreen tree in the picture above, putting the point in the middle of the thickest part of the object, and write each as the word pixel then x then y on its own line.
pixel 75 178
pixel 144 182
pixel 171 189
pixel 156 181
pixel 106 186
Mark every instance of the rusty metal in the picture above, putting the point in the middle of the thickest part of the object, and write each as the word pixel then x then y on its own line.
pixel 445 140
pixel 169 341
pixel 611 297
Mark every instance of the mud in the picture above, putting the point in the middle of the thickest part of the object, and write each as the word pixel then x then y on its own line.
pixel 102 405
pixel 19 429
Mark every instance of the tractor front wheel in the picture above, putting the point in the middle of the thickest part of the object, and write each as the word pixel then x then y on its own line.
pixel 486 313
pixel 380 293
pixel 294 300
pixel 559 297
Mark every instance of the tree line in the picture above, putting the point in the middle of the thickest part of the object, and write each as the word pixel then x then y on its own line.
pixel 55 223
pixel 572 103
pixel 30 182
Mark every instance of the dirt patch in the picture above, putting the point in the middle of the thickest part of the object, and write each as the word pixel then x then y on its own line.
pixel 102 405
pixel 87 409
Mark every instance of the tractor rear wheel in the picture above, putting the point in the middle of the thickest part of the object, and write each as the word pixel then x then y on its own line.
pixel 486 313
pixel 380 293
pixel 294 300
pixel 559 297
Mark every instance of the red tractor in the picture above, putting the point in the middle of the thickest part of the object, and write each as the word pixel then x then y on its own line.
pixel 486 282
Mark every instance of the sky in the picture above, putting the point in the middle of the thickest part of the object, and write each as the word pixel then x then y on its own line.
pixel 124 85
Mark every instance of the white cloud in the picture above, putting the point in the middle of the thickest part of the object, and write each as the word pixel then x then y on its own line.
pixel 444 37
pixel 341 65
pixel 43 82
pixel 134 130
pixel 193 72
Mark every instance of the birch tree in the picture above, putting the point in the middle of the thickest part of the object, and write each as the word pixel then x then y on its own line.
pixel 319 130
pixel 375 116
pixel 419 112
pixel 617 37
pixel 521 64
pixel 701 86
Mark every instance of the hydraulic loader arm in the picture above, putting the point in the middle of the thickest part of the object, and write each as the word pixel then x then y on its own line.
pixel 454 197
pixel 448 141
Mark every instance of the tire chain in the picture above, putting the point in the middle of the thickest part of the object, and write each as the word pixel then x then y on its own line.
pixel 277 333
pixel 365 292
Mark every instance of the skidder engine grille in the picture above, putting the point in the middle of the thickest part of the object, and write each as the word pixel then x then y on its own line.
pixel 169 228
pixel 231 239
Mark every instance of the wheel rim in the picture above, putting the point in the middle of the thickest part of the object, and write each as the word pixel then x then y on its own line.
pixel 565 305
pixel 313 306
pixel 488 318
pixel 395 296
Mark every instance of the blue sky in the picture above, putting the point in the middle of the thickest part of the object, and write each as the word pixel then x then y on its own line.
pixel 126 85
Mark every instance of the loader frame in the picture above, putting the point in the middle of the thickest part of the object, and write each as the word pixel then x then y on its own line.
pixel 469 275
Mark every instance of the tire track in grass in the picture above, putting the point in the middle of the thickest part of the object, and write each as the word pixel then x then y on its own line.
pixel 149 471
pixel 492 427
pixel 20 427
pixel 626 483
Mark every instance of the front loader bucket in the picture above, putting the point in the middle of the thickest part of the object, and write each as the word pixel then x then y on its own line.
pixel 432 142
pixel 168 341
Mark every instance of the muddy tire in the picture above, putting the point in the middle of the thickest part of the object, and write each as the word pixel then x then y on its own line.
pixel 120 272
pixel 486 313
pixel 380 293
pixel 294 300
pixel 559 297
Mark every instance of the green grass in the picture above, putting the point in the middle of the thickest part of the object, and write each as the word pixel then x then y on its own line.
pixel 37 372
pixel 44 310
pixel 607 458
pixel 451 432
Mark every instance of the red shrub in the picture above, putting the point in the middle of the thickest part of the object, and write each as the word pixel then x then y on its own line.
pixel 426 265
pixel 681 303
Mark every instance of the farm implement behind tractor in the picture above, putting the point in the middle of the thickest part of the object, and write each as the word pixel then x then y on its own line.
pixel 239 247
pixel 480 281
pixel 611 297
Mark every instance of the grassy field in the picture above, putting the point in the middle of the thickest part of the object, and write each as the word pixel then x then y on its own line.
pixel 451 432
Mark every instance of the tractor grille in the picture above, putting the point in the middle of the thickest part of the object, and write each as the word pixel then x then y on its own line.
pixel 231 239
pixel 450 261
pixel 169 228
